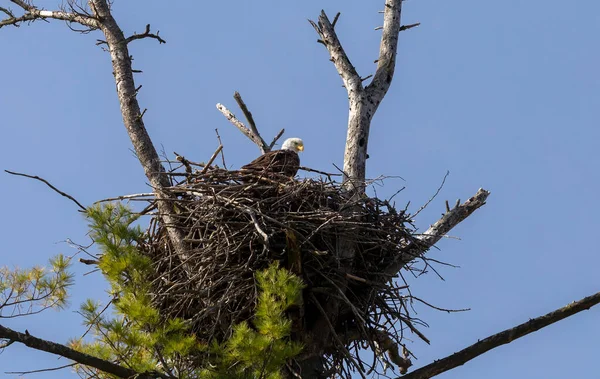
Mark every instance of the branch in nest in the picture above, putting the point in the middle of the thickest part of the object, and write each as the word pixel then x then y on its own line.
pixel 502 338
pixel 212 159
pixel 146 34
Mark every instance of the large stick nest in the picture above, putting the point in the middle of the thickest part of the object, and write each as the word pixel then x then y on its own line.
pixel 237 225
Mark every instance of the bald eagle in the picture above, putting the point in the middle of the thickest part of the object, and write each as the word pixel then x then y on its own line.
pixel 285 161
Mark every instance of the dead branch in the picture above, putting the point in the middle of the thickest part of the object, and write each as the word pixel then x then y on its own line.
pixel 32 13
pixel 502 338
pixel 49 185
pixel 340 59
pixel 41 370
pixel 240 125
pixel 81 358
pixel 212 159
pixel 363 101
pixel 263 145
pixel 251 132
pixel 439 229
pixel 276 138
pixel 146 34
pixel 101 18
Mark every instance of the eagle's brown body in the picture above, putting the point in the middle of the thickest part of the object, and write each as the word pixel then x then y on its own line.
pixel 284 162
pixel 281 162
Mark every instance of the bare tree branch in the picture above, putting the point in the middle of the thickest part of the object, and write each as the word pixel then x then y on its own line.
pixel 254 137
pixel 363 101
pixel 342 63
pixel 32 14
pixel 502 338
pixel 49 185
pixel 386 63
pixel 263 145
pixel 81 358
pixel 276 138
pixel 439 229
pixel 40 370
pixel 146 34
pixel 238 124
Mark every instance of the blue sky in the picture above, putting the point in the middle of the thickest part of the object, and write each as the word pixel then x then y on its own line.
pixel 504 95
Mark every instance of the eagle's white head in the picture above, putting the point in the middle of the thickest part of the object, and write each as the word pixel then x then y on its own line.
pixel 294 144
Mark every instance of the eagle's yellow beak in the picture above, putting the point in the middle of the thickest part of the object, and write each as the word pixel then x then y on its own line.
pixel 301 147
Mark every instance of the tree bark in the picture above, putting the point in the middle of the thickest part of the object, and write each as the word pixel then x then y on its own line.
pixel 132 118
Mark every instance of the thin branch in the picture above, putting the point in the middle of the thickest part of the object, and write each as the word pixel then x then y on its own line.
pixel 125 197
pixel 432 197
pixel 342 63
pixel 81 358
pixel 49 185
pixel 257 137
pixel 502 338
pixel 276 138
pixel 41 370
pixel 212 159
pixel 438 230
pixel 240 125
pixel 146 34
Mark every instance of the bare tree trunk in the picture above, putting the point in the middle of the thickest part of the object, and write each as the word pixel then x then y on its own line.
pixel 133 120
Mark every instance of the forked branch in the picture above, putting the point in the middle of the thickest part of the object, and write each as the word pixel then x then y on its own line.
pixel 363 101
pixel 252 131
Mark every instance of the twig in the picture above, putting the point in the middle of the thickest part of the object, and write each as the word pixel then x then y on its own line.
pixel 49 185
pixel 328 174
pixel 335 19
pixel 406 27
pixel 438 230
pixel 434 195
pixel 502 338
pixel 221 144
pixel 41 370
pixel 276 138
pixel 125 197
pixel 212 159
pixel 146 34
